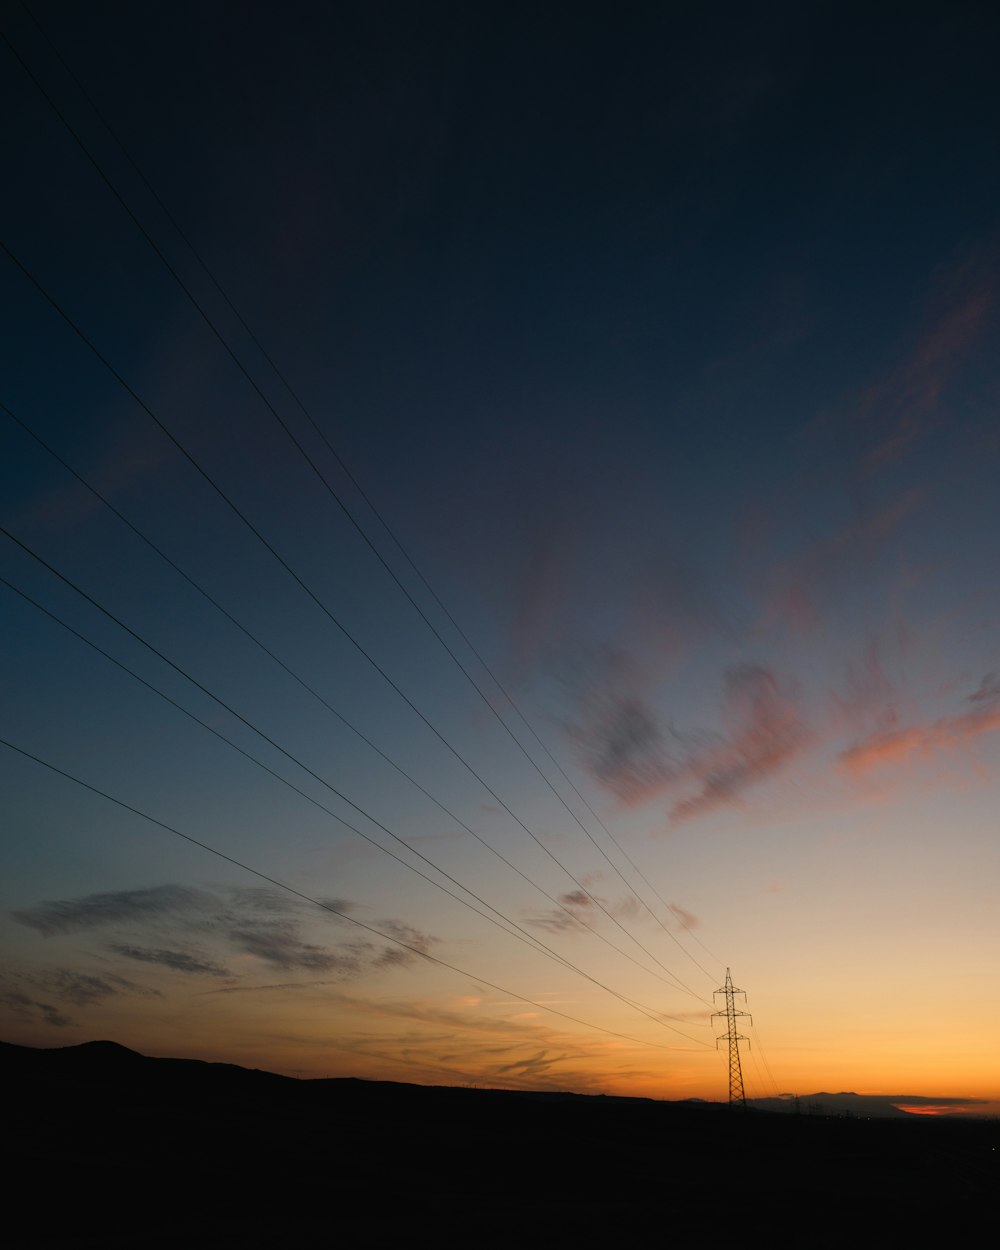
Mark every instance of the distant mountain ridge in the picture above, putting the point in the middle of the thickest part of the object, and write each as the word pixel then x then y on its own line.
pixel 143 1153
pixel 844 1103
pixel 106 1058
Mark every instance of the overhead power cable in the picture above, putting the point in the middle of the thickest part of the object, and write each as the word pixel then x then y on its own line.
pixel 331 489
pixel 330 615
pixel 556 902
pixel 521 934
pixel 763 1058
pixel 327 907
pixel 535 943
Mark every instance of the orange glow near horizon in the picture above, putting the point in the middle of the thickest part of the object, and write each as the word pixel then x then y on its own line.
pixel 621 607
pixel 942 1110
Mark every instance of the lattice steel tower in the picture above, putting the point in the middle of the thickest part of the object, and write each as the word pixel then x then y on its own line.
pixel 737 1098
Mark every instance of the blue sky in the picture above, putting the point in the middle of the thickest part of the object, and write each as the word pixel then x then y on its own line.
pixel 665 347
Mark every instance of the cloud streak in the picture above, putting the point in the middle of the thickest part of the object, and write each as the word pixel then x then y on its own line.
pixel 911 392
pixel 686 918
pixel 282 947
pixel 796 587
pixel 178 961
pixel 256 924
pixel 767 733
pixel 67 985
pixel 632 756
pixel 587 907
pixel 121 907
pixel 891 745
pixel 900 746
pixel 27 1008
pixel 82 988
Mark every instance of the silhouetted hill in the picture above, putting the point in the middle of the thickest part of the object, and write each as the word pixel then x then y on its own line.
pixel 143 1152
pixel 863 1105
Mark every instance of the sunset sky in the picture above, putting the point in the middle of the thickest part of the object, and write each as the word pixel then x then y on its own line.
pixel 615 550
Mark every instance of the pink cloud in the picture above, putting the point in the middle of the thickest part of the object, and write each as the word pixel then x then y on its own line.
pixel 909 394
pixel 688 919
pixel 797 584
pixel 767 734
pixel 627 750
pixel 901 746
pixel 867 689
pixel 868 703
pixel 989 690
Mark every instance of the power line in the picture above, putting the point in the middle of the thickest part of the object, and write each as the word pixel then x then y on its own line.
pixel 335 494
pixel 763 1057
pixel 210 599
pixel 529 939
pixel 281 885
pixel 521 934
pixel 328 613
pixel 536 944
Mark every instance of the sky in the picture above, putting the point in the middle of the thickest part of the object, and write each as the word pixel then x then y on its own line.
pixel 499 527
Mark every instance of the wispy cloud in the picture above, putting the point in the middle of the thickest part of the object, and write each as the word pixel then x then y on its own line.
pixel 637 759
pixel 989 690
pixel 27 1008
pixel 920 741
pixel 576 898
pixel 868 695
pixel 688 919
pixel 532 1065
pixel 262 899
pixel 343 905
pixel 82 988
pixel 179 961
pixel 395 956
pixel 493 1043
pixel 767 734
pixel 121 907
pixel 903 404
pixel 255 924
pixel 908 399
pixel 578 906
pixel 553 920
pixel 627 750
pixel 268 925
pixel 19 990
pixel 796 588
pixel 284 948
pixel 898 746
pixel 564 919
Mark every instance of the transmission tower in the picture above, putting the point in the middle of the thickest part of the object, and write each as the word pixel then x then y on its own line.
pixel 737 1098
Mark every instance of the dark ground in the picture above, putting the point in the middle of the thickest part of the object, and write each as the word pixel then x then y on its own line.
pixel 106 1148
